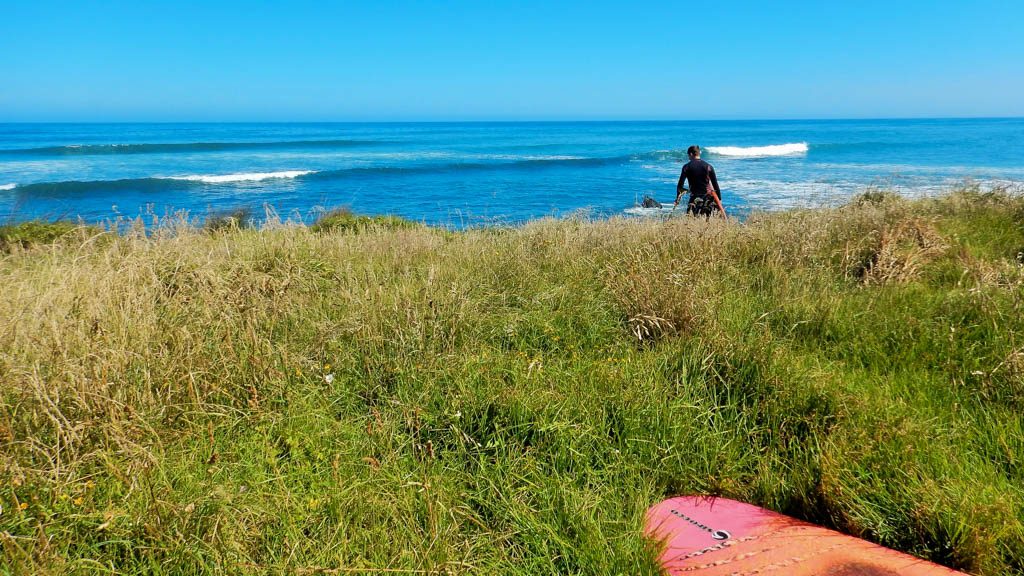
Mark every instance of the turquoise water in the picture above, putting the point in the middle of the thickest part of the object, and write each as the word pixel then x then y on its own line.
pixel 461 174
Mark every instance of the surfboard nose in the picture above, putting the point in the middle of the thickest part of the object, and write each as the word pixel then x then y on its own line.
pixel 717 537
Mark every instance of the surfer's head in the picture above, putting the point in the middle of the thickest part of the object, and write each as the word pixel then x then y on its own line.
pixel 693 151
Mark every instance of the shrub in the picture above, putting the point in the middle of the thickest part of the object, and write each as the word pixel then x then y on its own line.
pixel 342 219
pixel 38 232
pixel 234 219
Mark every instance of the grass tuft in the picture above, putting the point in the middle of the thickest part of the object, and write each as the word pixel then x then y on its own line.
pixel 344 220
pixel 234 219
pixel 38 233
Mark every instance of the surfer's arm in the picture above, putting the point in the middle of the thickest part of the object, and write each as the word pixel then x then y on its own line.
pixel 714 181
pixel 679 187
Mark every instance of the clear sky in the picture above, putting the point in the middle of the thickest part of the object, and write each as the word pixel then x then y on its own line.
pixel 494 60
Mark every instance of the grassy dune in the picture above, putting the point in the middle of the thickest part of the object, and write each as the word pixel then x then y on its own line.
pixel 384 398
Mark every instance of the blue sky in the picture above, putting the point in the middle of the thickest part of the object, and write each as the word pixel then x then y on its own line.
pixel 491 60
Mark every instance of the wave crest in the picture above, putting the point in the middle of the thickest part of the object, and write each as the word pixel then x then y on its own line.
pixel 178 147
pixel 790 149
pixel 161 183
pixel 11 186
pixel 70 188
pixel 243 177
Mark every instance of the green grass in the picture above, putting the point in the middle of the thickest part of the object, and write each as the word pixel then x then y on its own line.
pixel 40 232
pixel 510 401
pixel 342 219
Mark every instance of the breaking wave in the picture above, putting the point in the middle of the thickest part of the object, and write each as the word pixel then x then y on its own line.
pixel 244 177
pixel 759 151
pixel 160 183
pixel 173 147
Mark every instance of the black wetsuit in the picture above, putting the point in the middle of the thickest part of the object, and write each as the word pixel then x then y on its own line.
pixel 702 180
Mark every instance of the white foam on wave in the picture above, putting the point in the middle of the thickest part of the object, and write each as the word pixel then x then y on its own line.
pixel 243 177
pixel 759 151
pixel 10 186
pixel 653 211
pixel 532 157
pixel 777 195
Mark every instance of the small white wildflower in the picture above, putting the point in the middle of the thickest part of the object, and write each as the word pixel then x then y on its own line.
pixel 458 414
pixel 329 378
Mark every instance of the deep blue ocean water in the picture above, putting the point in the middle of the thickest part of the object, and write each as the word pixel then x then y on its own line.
pixel 463 174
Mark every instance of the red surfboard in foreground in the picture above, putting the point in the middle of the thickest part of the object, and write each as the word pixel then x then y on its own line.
pixel 707 536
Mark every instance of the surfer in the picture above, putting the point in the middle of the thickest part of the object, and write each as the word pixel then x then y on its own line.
pixel 705 195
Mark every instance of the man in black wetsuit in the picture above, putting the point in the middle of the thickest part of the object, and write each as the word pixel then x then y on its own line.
pixel 702 181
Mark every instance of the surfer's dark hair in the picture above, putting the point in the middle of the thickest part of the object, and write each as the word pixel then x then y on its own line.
pixel 693 150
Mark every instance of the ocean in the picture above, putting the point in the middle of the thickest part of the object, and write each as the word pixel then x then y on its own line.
pixel 471 174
